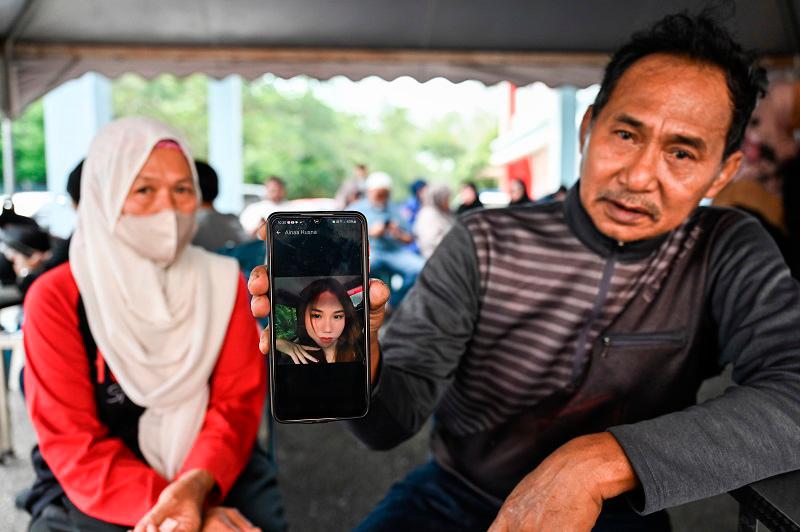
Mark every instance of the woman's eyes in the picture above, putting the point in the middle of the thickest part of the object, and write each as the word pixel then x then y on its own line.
pixel 317 315
pixel 180 189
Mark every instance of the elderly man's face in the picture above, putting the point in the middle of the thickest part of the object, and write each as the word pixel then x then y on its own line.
pixel 378 196
pixel 655 150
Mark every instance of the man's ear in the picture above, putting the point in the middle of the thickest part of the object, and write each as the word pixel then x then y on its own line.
pixel 586 125
pixel 729 169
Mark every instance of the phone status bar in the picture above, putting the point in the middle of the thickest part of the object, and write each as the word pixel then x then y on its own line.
pixel 312 220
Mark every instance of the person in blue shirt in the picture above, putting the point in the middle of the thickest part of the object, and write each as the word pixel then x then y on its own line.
pixel 414 203
pixel 389 235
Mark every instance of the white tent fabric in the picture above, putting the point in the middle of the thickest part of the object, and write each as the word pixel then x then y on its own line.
pixel 47 42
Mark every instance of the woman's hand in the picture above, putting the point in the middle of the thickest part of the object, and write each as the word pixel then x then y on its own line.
pixel 258 285
pixel 299 353
pixel 180 505
pixel 222 519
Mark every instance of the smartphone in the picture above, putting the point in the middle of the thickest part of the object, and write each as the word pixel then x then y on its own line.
pixel 319 320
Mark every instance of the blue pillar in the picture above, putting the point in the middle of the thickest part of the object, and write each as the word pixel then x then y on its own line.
pixel 225 140
pixel 567 97
pixel 73 113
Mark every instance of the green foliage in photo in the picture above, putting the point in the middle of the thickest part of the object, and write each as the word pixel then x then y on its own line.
pixel 285 322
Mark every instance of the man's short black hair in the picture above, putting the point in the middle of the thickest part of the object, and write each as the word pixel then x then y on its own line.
pixel 74 183
pixel 700 38
pixel 208 180
pixel 276 179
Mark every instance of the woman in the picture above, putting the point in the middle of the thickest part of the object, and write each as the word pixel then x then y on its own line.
pixel 434 219
pixel 327 326
pixel 142 356
pixel 470 199
pixel 518 193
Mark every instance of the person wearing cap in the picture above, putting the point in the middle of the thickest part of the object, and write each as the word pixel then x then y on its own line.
pixel 389 235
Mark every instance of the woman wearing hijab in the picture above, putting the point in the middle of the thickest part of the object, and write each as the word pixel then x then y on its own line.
pixel 143 378
pixel 470 199
pixel 518 193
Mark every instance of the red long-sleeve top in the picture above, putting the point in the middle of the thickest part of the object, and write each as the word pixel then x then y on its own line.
pixel 99 474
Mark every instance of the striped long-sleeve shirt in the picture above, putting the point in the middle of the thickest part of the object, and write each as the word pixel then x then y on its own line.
pixel 529 327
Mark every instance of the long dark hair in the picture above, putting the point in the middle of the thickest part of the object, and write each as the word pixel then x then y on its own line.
pixel 348 346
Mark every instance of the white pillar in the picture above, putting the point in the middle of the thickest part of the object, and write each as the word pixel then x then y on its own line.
pixel 568 133
pixel 73 113
pixel 225 141
pixel 8 156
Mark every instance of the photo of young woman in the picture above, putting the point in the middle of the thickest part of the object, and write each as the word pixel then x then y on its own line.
pixel 327 326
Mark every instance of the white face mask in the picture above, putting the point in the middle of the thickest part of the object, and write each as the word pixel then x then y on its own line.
pixel 158 237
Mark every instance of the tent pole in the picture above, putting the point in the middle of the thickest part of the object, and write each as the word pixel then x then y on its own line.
pixel 8 157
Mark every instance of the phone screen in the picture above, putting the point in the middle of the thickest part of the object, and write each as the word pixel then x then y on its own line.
pixel 319 356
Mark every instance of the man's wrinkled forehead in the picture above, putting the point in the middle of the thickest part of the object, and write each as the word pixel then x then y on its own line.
pixel 689 96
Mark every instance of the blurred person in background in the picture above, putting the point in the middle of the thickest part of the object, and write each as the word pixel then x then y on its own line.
pixel 389 235
pixel 214 229
pixel 518 192
pixel 349 192
pixel 275 200
pixel 470 198
pixel 434 219
pixel 140 358
pixel 28 267
pixel 413 204
pixel 766 186
pixel 352 189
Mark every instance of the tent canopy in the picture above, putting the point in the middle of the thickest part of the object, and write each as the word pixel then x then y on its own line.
pixel 47 42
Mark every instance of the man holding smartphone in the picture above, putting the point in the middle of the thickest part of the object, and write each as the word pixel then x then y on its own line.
pixel 561 345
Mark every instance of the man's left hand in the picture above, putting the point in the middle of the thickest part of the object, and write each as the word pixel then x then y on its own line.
pixel 567 490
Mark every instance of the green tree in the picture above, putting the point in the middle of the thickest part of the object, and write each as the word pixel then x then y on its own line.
pixel 28 139
pixel 180 102
pixel 294 135
pixel 297 137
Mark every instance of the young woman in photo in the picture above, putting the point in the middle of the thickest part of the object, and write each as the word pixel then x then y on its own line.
pixel 328 329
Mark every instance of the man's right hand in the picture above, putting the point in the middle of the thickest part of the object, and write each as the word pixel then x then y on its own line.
pixel 258 285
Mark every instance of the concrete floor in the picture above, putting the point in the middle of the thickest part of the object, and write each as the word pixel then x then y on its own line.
pixel 322 493
pixel 329 481
pixel 16 473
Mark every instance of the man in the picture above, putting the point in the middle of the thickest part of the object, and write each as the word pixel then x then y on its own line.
pixel 389 235
pixel 214 229
pixel 275 199
pixel 561 345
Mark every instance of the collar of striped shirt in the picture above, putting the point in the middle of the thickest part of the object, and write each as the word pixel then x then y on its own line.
pixel 581 224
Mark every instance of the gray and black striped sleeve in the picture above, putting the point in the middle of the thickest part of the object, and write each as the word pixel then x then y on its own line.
pixel 752 431
pixel 423 342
